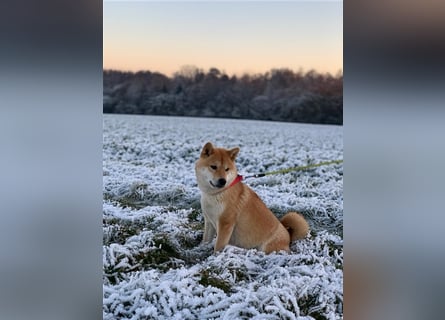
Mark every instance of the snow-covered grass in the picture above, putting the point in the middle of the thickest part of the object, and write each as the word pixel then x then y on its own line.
pixel 154 265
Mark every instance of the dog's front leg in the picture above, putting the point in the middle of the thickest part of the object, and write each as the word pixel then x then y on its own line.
pixel 209 231
pixel 225 229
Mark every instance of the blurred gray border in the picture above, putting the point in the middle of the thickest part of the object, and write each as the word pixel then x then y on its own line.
pixel 51 174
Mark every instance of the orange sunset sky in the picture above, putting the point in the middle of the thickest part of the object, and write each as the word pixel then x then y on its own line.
pixel 236 37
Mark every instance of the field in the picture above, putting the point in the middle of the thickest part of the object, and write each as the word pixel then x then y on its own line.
pixel 154 266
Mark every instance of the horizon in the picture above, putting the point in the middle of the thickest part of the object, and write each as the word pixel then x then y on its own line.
pixel 237 38
pixel 303 71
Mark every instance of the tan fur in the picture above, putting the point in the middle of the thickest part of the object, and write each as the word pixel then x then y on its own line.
pixel 236 215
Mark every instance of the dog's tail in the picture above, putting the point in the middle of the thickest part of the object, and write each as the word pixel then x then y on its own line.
pixel 296 225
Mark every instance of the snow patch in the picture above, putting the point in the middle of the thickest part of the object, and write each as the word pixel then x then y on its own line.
pixel 154 264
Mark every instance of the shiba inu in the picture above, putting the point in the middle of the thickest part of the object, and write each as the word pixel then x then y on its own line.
pixel 234 212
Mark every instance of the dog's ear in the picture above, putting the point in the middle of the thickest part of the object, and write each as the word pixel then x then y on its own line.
pixel 233 153
pixel 207 150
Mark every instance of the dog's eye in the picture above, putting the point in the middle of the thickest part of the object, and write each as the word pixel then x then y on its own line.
pixel 213 167
pixel 227 169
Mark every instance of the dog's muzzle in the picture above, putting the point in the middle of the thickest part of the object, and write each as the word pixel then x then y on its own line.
pixel 219 184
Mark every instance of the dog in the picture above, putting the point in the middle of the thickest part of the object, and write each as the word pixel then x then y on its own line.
pixel 234 212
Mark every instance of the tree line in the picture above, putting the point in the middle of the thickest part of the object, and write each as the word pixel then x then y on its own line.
pixel 279 94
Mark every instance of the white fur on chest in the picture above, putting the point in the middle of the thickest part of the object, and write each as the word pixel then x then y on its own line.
pixel 212 207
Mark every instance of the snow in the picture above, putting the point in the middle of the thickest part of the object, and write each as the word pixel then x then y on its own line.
pixel 154 264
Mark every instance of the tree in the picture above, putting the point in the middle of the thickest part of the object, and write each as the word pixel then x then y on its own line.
pixel 279 94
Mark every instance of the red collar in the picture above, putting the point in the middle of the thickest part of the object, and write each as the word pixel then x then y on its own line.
pixel 237 179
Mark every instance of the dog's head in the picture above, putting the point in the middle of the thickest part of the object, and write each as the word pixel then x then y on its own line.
pixel 215 169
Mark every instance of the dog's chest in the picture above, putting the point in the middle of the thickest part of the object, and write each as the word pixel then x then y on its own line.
pixel 212 207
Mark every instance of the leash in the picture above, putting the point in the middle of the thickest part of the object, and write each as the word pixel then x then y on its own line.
pixel 309 166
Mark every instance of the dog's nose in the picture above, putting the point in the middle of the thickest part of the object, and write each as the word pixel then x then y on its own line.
pixel 221 182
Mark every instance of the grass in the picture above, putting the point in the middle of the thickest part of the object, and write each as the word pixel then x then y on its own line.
pixel 154 263
pixel 209 278
pixel 163 256
pixel 118 230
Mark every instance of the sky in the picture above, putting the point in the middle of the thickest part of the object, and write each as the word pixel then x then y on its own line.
pixel 236 37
